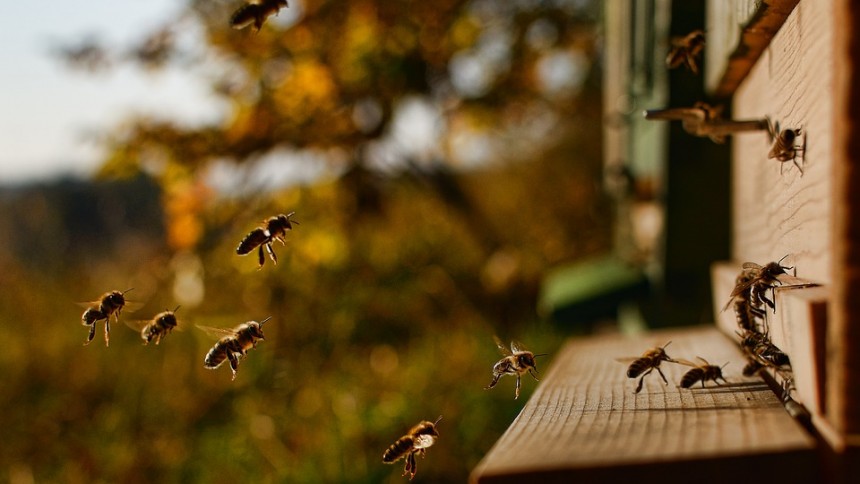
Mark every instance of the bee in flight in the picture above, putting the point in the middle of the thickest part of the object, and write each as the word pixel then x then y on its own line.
pixel 416 441
pixel 109 304
pixel 785 146
pixel 234 344
pixel 701 373
pixel 645 364
pixel 758 280
pixel 517 361
pixel 274 228
pixel 256 13
pixel 685 50
pixel 156 328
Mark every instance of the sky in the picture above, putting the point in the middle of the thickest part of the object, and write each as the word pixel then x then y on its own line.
pixel 49 112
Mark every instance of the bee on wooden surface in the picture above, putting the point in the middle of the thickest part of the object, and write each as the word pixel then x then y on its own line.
pixel 747 312
pixel 758 280
pixel 760 348
pixel 785 147
pixel 701 373
pixel 109 304
pixel 517 361
pixel 416 441
pixel 233 345
pixel 156 328
pixel 274 228
pixel 685 50
pixel 256 13
pixel 645 364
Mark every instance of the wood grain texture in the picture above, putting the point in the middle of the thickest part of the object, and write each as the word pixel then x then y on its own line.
pixel 585 424
pixel 776 210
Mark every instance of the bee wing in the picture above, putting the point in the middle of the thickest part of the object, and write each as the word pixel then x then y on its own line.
pixel 751 266
pixel 132 306
pixel 517 347
pixel 685 362
pixel 504 349
pixel 87 305
pixel 216 332
pixel 627 359
pixel 136 324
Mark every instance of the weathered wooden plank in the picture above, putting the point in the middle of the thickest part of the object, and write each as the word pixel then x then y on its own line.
pixel 737 34
pixel 776 210
pixel 584 423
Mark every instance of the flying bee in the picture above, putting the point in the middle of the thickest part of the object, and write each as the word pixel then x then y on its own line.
pixel 785 146
pixel 685 50
pixel 645 364
pixel 517 361
pixel 274 228
pixel 701 373
pixel 758 280
pixel 109 304
pixel 256 13
pixel 157 328
pixel 234 344
pixel 416 441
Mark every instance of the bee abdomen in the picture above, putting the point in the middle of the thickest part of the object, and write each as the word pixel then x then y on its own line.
pixel 637 367
pixel 252 241
pixel 398 449
pixel 691 377
pixel 215 357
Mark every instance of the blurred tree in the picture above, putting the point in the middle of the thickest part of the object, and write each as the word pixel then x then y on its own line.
pixel 385 299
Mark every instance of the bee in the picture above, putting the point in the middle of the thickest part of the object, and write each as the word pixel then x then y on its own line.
pixel 256 13
pixel 274 228
pixel 759 347
pixel 109 304
pixel 702 119
pixel 156 328
pixel 685 50
pixel 416 441
pixel 516 361
pixel 785 146
pixel 758 280
pixel 234 344
pixel 701 373
pixel 645 364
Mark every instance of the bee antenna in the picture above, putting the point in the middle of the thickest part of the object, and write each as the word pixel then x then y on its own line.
pixel 667 344
pixel 540 354
pixel 263 321
pixel 127 290
pixel 437 420
pixel 177 308
pixel 724 365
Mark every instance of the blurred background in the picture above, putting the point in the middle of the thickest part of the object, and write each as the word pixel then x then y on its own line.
pixel 445 161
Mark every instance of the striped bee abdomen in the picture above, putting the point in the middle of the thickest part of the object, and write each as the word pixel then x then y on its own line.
pixel 398 449
pixel 252 241
pixel 216 356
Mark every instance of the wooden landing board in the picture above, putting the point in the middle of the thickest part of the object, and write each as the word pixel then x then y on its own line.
pixel 584 423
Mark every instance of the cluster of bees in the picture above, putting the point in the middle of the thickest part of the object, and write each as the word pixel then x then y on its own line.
pixel 234 344
pixel 705 120
pixel 750 301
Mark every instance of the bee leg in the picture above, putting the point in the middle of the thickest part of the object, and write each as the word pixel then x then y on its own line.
pixel 662 375
pixel 271 252
pixel 533 375
pixel 91 335
pixel 234 363
pixel 642 380
pixel 496 377
pixel 261 259
pixel 413 466
pixel 107 331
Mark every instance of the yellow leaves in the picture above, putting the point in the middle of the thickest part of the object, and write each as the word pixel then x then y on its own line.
pixel 183 204
pixel 307 90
